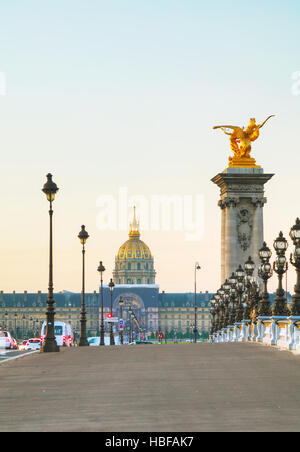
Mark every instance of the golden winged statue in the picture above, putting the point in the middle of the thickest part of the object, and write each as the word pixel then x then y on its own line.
pixel 240 141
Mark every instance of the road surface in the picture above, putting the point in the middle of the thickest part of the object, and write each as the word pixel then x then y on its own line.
pixel 153 388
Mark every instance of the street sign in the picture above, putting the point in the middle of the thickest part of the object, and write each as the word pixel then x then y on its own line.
pixel 112 320
pixel 121 324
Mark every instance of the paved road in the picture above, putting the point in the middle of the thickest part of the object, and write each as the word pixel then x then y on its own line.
pixel 167 388
pixel 8 354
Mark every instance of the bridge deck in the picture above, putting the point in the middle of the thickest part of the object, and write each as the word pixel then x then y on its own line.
pixel 183 388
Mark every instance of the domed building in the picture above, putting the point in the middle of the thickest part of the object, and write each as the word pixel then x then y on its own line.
pixel 134 263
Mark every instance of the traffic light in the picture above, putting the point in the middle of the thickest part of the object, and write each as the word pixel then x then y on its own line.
pixel 109 316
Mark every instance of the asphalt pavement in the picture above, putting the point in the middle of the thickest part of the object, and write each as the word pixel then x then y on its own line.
pixel 153 388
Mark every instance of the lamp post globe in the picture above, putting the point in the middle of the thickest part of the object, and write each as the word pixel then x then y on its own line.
pixel 249 267
pixel 49 346
pixel 265 253
pixel 83 341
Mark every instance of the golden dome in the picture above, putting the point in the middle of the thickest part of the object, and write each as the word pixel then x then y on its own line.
pixel 134 248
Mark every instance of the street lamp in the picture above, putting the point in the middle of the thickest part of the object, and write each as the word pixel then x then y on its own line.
pixel 101 269
pixel 83 342
pixel 50 189
pixel 197 267
pixel 249 270
pixel 130 324
pixel 295 261
pixel 240 274
pixel 6 317
pixel 280 267
pixel 23 324
pixel 217 299
pixel 15 332
pixel 121 303
pixel 265 273
pixel 111 286
pixel 226 287
pixel 233 295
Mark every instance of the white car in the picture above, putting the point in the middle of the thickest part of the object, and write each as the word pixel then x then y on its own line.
pixel 32 344
pixel 95 341
pixel 5 340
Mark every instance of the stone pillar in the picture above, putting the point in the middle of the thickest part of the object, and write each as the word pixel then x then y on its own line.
pixel 231 255
pixel 258 229
pixel 242 201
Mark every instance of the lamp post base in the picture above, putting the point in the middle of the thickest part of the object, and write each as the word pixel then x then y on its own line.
pixel 50 347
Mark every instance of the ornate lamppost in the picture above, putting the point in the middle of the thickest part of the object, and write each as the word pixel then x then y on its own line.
pixel 226 288
pixel 130 315
pixel 197 267
pixel 240 274
pixel 280 267
pixel 101 270
pixel 121 303
pixel 217 298
pixel 213 313
pixel 249 270
pixel 50 189
pixel 15 331
pixel 83 342
pixel 265 273
pixel 221 292
pixel 111 286
pixel 233 297
pixel 6 317
pixel 295 261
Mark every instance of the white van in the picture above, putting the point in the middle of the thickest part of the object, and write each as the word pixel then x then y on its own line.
pixel 63 334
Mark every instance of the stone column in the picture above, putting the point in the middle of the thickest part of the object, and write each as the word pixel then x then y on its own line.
pixel 242 201
pixel 223 238
pixel 258 229
pixel 230 245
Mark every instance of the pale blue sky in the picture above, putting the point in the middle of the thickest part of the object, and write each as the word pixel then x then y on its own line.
pixel 125 93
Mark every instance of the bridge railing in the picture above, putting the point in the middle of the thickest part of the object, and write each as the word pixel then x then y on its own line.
pixel 281 331
pixel 241 310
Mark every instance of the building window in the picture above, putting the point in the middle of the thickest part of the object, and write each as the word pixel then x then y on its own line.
pixel 128 281
pixel 138 266
pixel 139 281
pixel 129 266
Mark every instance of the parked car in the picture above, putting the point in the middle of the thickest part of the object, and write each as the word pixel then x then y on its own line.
pixel 14 344
pixel 21 345
pixel 33 344
pixel 63 334
pixel 144 343
pixel 5 340
pixel 95 341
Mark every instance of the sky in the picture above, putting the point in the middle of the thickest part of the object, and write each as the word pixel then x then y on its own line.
pixel 123 95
